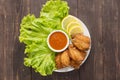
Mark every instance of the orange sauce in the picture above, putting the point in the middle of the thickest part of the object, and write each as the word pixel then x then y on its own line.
pixel 58 40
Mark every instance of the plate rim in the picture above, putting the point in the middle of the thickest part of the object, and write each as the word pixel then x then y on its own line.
pixel 68 69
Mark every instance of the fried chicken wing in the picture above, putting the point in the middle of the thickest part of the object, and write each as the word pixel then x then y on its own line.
pixel 75 64
pixel 81 42
pixel 65 59
pixel 75 54
pixel 83 53
pixel 81 37
pixel 58 61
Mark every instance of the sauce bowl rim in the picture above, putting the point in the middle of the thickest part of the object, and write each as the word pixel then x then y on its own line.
pixel 66 46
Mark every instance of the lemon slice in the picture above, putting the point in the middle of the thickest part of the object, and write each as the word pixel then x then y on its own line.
pixel 67 20
pixel 75 29
pixel 72 24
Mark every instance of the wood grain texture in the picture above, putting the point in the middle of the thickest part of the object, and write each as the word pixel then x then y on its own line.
pixel 1 48
pixel 102 18
pixel 86 12
pixel 12 54
pixel 109 43
pixel 117 55
pixel 22 8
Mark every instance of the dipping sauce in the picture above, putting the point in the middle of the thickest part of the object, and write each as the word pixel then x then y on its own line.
pixel 58 40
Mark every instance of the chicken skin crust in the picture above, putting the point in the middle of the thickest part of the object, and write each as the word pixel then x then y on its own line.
pixel 75 64
pixel 65 59
pixel 58 61
pixel 81 42
pixel 75 54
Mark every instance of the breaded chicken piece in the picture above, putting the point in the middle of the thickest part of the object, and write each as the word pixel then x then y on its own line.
pixel 65 59
pixel 81 37
pixel 81 42
pixel 75 64
pixel 58 61
pixel 83 53
pixel 75 54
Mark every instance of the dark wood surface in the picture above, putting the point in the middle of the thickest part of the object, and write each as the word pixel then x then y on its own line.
pixel 102 18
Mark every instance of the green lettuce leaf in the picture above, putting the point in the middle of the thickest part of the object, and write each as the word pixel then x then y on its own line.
pixel 34 32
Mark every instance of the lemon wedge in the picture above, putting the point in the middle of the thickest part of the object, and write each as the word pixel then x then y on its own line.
pixel 67 20
pixel 75 29
pixel 72 24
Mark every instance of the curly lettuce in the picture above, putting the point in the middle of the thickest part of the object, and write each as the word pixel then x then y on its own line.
pixel 34 32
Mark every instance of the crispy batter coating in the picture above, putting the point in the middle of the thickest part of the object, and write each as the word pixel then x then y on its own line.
pixel 75 64
pixel 70 57
pixel 65 59
pixel 83 53
pixel 58 61
pixel 81 42
pixel 81 37
pixel 75 54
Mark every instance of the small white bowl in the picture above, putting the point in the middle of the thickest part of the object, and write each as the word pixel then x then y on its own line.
pixel 53 48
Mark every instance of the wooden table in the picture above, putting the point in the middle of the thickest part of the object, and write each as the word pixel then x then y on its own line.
pixel 102 18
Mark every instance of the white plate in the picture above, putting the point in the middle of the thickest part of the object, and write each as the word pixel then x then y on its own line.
pixel 86 32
